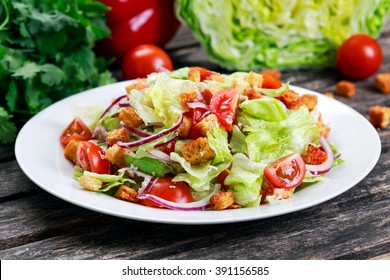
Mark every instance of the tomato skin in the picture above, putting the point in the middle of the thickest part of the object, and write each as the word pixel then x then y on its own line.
pixel 90 157
pixel 137 22
pixel 173 191
pixel 224 105
pixel 270 82
pixel 143 60
pixel 359 57
pixel 221 179
pixel 287 172
pixel 76 130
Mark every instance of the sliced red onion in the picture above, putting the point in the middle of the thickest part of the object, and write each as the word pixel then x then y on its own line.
pixel 135 131
pixel 145 186
pixel 169 140
pixel 157 154
pixel 99 133
pixel 198 104
pixel 116 101
pixel 325 166
pixel 153 137
pixel 190 206
pixel 147 182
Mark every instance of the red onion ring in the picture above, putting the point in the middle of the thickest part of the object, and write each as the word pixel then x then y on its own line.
pixel 135 131
pixel 153 137
pixel 325 166
pixel 190 206
pixel 99 133
pixel 157 154
pixel 116 101
pixel 198 104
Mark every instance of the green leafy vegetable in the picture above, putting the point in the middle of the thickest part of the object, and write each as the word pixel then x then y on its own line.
pixel 46 54
pixel 148 165
pixel 255 34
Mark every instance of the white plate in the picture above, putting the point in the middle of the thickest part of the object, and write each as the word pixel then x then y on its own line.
pixel 40 156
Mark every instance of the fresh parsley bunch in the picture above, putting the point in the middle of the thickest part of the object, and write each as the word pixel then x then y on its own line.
pixel 46 54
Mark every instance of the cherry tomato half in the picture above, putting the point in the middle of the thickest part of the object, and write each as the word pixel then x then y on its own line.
pixel 359 57
pixel 143 60
pixel 173 191
pixel 287 172
pixel 270 82
pixel 77 130
pixel 224 105
pixel 90 157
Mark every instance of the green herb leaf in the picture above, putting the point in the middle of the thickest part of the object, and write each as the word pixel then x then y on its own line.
pixel 148 165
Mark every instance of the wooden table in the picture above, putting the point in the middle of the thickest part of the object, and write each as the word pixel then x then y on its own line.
pixel 355 225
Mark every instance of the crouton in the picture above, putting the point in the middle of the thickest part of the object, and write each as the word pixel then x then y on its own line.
pixel 309 100
pixel 197 151
pixel 215 77
pixel 126 193
pixel 252 93
pixel 314 155
pixel 208 123
pixel 254 79
pixel 240 85
pixel 116 155
pixel 382 82
pixel 272 72
pixel 188 96
pixel 379 116
pixel 90 183
pixel 138 85
pixel 130 117
pixel 70 151
pixel 323 129
pixel 208 93
pixel 184 130
pixel 116 135
pixel 329 94
pixel 345 88
pixel 221 200
pixel 291 99
pixel 194 75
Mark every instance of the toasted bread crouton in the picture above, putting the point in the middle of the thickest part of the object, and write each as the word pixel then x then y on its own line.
pixel 310 100
pixel 138 85
pixel 382 82
pixel 240 85
pixel 345 88
pixel 215 77
pixel 116 135
pixel 208 123
pixel 116 155
pixel 197 151
pixel 126 193
pixel 379 116
pixel 323 129
pixel 70 151
pixel 208 93
pixel 221 200
pixel 194 75
pixel 130 117
pixel 314 155
pixel 254 79
pixel 252 93
pixel 184 130
pixel 90 183
pixel 187 96
pixel 291 99
pixel 329 94
pixel 273 73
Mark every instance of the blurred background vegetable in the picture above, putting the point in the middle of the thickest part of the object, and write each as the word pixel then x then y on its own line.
pixel 257 34
pixel 134 23
pixel 46 54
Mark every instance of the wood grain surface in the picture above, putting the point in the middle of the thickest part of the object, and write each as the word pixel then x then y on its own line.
pixel 355 225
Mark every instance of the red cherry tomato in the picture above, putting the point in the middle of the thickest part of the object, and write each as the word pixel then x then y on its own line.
pixel 90 157
pixel 224 105
pixel 143 60
pixel 359 57
pixel 204 73
pixel 173 191
pixel 133 23
pixel 77 130
pixel 221 179
pixel 287 172
pixel 270 82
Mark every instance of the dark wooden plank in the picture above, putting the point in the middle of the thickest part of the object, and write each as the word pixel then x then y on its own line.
pixel 7 152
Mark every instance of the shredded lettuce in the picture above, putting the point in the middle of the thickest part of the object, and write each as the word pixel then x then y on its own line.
pixel 255 34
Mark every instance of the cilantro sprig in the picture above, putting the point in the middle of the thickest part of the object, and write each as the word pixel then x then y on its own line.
pixel 46 54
